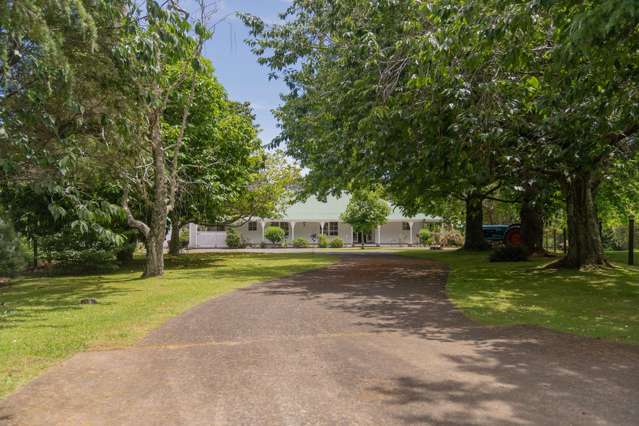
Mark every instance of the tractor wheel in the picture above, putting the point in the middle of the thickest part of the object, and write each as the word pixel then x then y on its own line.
pixel 513 236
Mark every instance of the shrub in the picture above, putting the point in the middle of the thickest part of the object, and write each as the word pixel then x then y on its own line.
pixel 509 254
pixel 451 238
pixel 337 243
pixel 323 241
pixel 300 242
pixel 424 236
pixel 74 251
pixel 13 258
pixel 233 240
pixel 275 235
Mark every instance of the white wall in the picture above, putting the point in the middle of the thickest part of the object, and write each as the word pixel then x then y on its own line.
pixel 391 234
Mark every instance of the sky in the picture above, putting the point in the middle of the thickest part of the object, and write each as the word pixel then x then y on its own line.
pixel 237 68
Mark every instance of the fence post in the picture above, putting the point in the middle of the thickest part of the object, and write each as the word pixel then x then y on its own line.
pixel 565 242
pixel 554 239
pixel 631 240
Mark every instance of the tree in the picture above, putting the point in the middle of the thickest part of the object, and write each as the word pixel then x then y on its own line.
pixel 164 42
pixel 574 89
pixel 365 211
pixel 439 99
pixel 374 99
pixel 274 234
pixel 220 155
pixel 61 101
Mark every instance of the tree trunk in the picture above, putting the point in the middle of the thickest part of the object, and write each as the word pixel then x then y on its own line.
pixel 159 212
pixel 584 242
pixel 154 256
pixel 474 234
pixel 35 253
pixel 174 243
pixel 531 216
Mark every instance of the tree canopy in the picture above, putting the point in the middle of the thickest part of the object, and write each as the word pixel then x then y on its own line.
pixel 469 100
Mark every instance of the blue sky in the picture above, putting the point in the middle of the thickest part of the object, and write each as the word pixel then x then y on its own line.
pixel 237 68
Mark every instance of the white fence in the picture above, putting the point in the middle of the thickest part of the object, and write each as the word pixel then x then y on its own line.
pixel 206 239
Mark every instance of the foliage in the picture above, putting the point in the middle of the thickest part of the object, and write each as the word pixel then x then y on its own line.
pixel 509 254
pixel 336 243
pixel 300 242
pixel 271 189
pixel 365 211
pixel 13 258
pixel 491 100
pixel 125 311
pixel 220 155
pixel 233 239
pixel 323 241
pixel 155 57
pixel 425 236
pixel 275 235
pixel 63 102
pixel 63 225
pixel 73 250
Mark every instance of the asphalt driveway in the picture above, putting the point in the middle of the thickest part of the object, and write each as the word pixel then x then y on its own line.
pixel 370 340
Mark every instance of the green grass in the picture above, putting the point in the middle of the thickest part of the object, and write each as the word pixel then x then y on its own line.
pixel 42 321
pixel 602 303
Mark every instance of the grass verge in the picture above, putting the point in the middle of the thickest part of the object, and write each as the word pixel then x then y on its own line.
pixel 42 320
pixel 603 304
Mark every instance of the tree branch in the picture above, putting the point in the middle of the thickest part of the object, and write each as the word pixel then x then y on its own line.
pixel 130 219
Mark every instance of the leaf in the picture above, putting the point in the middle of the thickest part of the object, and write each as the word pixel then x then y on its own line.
pixel 533 83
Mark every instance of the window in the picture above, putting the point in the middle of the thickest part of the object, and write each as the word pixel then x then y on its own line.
pixel 332 228
pixel 212 228
pixel 252 226
pixel 405 226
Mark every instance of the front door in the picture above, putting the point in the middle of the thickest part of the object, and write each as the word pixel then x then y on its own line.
pixel 359 236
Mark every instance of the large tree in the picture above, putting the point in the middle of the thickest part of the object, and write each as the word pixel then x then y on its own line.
pixel 169 38
pixel 375 98
pixel 220 152
pixel 577 100
pixel 461 98
pixel 61 99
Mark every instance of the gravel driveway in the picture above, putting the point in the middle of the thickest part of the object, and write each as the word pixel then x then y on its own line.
pixel 370 340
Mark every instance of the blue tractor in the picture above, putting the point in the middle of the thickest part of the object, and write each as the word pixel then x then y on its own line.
pixel 509 235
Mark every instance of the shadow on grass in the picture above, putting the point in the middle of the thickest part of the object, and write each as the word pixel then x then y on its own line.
pixel 30 298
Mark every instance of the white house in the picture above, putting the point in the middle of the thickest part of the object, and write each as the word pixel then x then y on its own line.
pixel 311 218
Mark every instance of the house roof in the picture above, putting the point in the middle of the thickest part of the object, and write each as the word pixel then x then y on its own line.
pixel 314 210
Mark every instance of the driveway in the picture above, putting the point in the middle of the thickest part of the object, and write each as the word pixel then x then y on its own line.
pixel 370 340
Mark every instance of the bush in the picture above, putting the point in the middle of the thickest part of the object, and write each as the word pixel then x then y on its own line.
pixel 13 257
pixel 509 254
pixel 424 236
pixel 451 238
pixel 300 242
pixel 337 243
pixel 275 235
pixel 233 240
pixel 73 251
pixel 323 241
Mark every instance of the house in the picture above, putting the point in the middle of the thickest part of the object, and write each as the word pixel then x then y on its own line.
pixel 311 218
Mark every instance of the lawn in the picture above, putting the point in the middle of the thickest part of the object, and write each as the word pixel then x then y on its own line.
pixel 601 304
pixel 42 320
